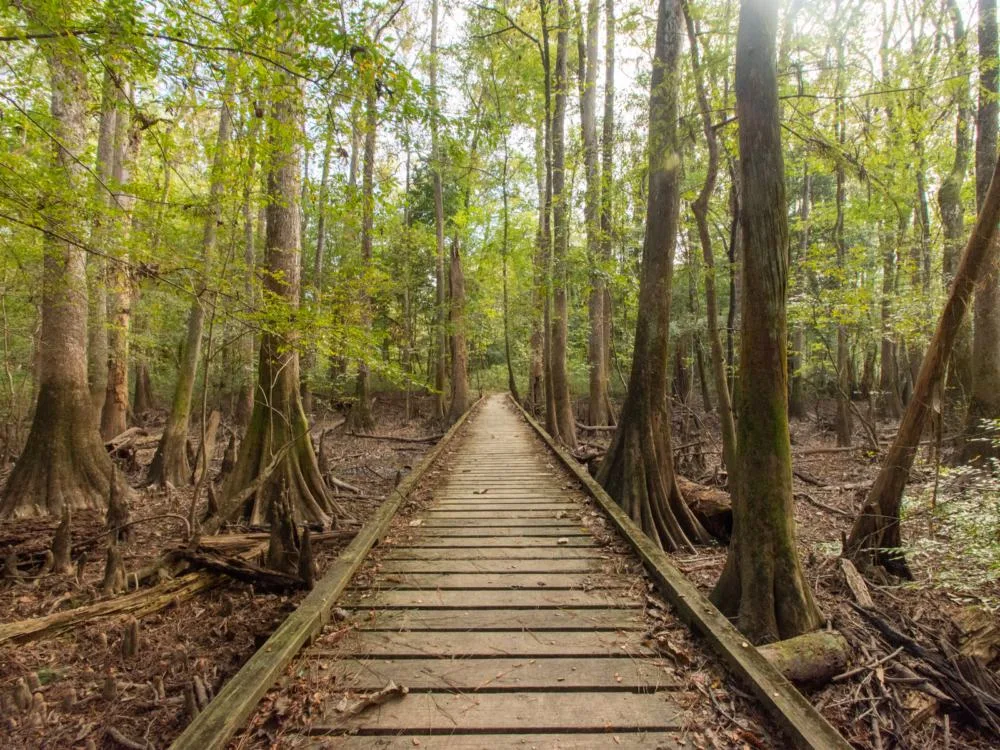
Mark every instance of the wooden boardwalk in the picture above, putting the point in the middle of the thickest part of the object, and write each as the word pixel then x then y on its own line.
pixel 508 620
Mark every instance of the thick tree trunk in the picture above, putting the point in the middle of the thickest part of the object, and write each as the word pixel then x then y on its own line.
pixel 360 418
pixel 984 403
pixel 114 414
pixel 563 402
pixel 763 584
pixel 277 450
pixel 638 470
pixel 63 462
pixel 875 537
pixel 142 400
pixel 700 210
pixel 170 463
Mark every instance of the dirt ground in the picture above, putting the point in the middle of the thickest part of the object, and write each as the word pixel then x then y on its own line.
pixel 91 694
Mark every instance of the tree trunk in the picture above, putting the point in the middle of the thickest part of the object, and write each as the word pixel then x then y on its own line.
pixel 245 394
pixel 890 402
pixel 638 470
pixel 545 232
pixel 114 414
pixel 560 219
pixel 763 584
pixel 875 537
pixel 170 463
pixel 360 418
pixel 459 352
pixel 63 462
pixel 142 400
pixel 984 403
pixel 441 332
pixel 277 450
pixel 596 353
pixel 101 233
pixel 536 374
pixel 319 260
pixel 608 184
pixel 844 423
pixel 700 210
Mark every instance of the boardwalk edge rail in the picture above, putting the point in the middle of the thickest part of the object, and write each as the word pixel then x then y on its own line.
pixel 789 709
pixel 231 708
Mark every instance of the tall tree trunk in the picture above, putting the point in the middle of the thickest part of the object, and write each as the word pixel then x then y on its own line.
pixel 844 423
pixel 536 363
pixel 608 183
pixel 890 402
pixel 360 417
pixel 985 401
pixel 277 439
pixel 441 332
pixel 638 470
pixel 114 414
pixel 245 393
pixel 100 236
pixel 700 210
pixel 763 584
pixel 63 462
pixel 505 249
pixel 560 218
pixel 170 463
pixel 875 537
pixel 796 392
pixel 309 361
pixel 597 357
pixel 459 351
pixel 545 229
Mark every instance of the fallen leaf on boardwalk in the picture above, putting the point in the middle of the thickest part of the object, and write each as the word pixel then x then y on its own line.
pixel 562 540
pixel 416 522
pixel 480 492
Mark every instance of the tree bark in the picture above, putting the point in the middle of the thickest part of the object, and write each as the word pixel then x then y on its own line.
pixel 844 423
pixel 596 353
pixel 277 438
pixel 608 184
pixel 440 329
pixel 763 584
pixel 170 463
pixel 560 219
pixel 360 417
pixel 984 403
pixel 114 413
pixel 638 470
pixel 875 537
pixel 459 351
pixel 700 210
pixel 63 461
pixel 536 364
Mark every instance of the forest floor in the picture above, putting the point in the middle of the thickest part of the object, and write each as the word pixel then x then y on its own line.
pixel 952 531
pixel 90 690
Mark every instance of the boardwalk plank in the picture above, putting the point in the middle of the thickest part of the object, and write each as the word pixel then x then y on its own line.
pixel 487 599
pixel 472 552
pixel 492 566
pixel 535 620
pixel 451 741
pixel 501 580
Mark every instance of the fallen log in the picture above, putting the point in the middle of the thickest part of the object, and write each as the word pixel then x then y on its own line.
pixel 138 604
pixel 811 659
pixel 241 570
pixel 427 439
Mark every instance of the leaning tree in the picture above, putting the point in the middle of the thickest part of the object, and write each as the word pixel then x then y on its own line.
pixel 63 462
pixel 763 583
pixel 638 470
pixel 277 463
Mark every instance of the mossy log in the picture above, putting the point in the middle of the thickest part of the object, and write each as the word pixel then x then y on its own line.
pixel 711 506
pixel 811 659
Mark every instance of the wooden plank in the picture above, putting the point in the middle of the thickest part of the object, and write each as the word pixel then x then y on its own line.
pixel 229 710
pixel 499 519
pixel 485 644
pixel 494 675
pixel 492 566
pixel 797 717
pixel 486 514
pixel 443 713
pixel 444 532
pixel 619 740
pixel 487 599
pixel 535 620
pixel 502 580
pixel 539 542
pixel 496 553
pixel 546 506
